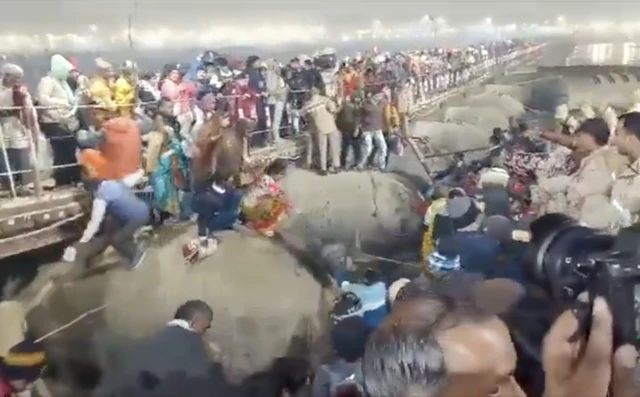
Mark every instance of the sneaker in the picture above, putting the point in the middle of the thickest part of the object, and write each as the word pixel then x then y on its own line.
pixel 208 247
pixel 138 259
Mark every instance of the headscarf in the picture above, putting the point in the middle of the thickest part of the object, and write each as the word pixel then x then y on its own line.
pixel 60 68
pixel 11 70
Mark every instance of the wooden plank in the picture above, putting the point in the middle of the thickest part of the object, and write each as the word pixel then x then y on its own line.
pixel 10 207
pixel 39 239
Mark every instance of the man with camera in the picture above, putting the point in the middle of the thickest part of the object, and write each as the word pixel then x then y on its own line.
pixel 447 339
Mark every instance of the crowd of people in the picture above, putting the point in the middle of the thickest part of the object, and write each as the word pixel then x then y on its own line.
pixel 175 139
pixel 445 333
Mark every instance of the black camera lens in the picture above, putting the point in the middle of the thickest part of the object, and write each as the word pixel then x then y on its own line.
pixel 559 252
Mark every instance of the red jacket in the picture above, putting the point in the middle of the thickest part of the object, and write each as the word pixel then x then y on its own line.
pixel 246 101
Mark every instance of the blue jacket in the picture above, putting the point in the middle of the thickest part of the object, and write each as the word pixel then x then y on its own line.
pixel 193 69
pixel 484 255
pixel 373 298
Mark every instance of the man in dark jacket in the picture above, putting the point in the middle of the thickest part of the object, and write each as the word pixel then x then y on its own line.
pixel 294 77
pixel 372 125
pixel 347 123
pixel 177 348
pixel 313 77
pixel 258 85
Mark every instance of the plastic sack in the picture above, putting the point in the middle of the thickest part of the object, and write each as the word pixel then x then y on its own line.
pixel 43 157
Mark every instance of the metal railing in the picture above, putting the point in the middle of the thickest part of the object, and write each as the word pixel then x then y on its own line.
pixel 476 73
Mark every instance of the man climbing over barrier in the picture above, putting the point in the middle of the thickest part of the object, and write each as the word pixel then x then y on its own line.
pixel 112 199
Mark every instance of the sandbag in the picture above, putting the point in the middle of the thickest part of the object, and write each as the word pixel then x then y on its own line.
pixel 509 106
pixel 44 157
pixel 548 94
pixel 451 137
pixel 483 117
pixel 375 205
pixel 521 93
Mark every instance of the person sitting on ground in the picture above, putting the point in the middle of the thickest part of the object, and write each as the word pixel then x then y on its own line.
pixel 342 376
pixel 21 367
pixel 217 205
pixel 264 206
pixel 177 348
pixel 126 213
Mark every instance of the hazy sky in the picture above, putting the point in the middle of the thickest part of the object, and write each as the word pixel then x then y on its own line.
pixel 76 15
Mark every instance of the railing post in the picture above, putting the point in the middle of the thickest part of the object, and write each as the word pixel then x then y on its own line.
pixel 33 153
pixel 7 166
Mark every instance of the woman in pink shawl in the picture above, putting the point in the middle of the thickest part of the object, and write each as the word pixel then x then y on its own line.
pixel 182 93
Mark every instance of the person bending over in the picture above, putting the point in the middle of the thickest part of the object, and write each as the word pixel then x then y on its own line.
pixel 126 214
pixel 177 348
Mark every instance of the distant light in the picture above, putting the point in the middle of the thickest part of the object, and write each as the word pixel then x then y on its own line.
pixel 345 37
pixel 93 28
pixel 561 19
pixel 488 21
pixel 600 26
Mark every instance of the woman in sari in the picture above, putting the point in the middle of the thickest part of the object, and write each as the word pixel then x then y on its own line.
pixel 265 205
pixel 170 178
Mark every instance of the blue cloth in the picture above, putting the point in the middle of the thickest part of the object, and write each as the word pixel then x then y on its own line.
pixel 256 80
pixel 373 298
pixel 193 69
pixel 484 255
pixel 443 263
pixel 122 203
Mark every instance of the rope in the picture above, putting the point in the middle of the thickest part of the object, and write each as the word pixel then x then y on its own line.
pixel 480 149
pixel 71 323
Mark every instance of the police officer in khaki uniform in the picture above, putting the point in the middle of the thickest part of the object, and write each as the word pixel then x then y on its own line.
pixel 625 194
